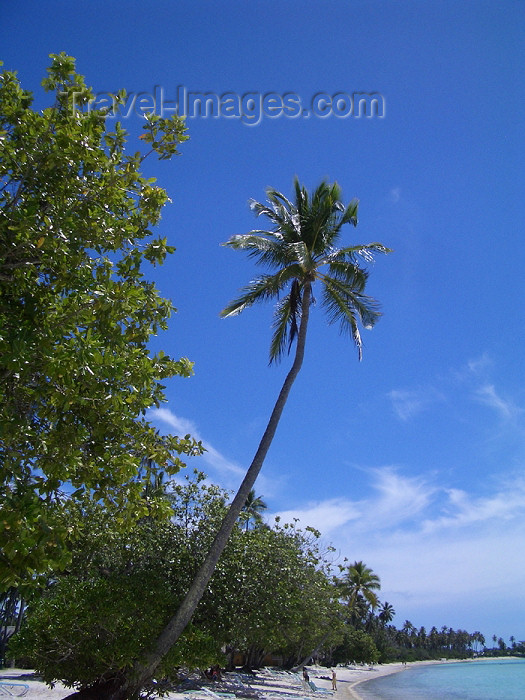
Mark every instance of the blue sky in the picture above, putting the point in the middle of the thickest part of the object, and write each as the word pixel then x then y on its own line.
pixel 412 460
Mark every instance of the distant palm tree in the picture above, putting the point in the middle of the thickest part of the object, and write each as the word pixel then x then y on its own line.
pixel 252 508
pixel 300 250
pixel 387 613
pixel 358 587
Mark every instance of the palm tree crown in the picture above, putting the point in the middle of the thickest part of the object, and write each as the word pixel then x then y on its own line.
pixel 252 508
pixel 301 249
pixel 387 613
pixel 360 582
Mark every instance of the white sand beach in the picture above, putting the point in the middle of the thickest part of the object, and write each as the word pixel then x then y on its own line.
pixel 266 686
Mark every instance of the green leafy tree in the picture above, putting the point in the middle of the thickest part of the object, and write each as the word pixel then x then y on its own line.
pixel 94 618
pixel 301 251
pixel 76 315
pixel 357 646
pixel 296 617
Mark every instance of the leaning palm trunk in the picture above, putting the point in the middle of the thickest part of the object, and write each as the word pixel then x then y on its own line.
pixel 302 249
pixel 144 670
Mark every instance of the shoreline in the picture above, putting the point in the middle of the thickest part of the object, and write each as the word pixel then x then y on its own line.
pixel 398 667
pixel 279 687
pixel 386 670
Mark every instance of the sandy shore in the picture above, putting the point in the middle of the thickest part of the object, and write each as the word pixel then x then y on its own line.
pixel 268 687
pixel 279 687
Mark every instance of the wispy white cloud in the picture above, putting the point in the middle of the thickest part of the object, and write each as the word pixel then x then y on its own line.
pixel 463 510
pixel 414 504
pixel 182 426
pixel 431 545
pixel 221 469
pixel 408 403
pixel 488 395
pixel 395 499
pixel 479 364
pixel 326 516
pixel 471 382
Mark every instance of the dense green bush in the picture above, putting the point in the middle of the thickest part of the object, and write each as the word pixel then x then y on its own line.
pixel 357 646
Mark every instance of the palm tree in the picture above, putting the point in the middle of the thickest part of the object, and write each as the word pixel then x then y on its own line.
pixel 387 613
pixel 252 508
pixel 300 251
pixel 359 587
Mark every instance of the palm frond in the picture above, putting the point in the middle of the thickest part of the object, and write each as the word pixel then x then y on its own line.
pixel 347 307
pixel 351 302
pixel 350 215
pixel 260 289
pixel 286 322
pixel 347 272
pixel 262 210
pixel 299 253
pixel 278 199
pixel 282 315
pixel 365 251
pixel 267 248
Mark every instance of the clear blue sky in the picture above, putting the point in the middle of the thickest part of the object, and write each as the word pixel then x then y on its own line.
pixel 413 459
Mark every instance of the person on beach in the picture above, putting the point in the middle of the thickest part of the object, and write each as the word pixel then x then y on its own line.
pixel 306 677
pixel 334 680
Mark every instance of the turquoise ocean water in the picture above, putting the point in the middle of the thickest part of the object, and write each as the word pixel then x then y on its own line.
pixel 472 680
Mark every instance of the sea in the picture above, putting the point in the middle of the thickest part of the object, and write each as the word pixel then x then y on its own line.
pixel 498 679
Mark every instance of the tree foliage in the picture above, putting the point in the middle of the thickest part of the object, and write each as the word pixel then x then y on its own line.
pixel 270 592
pixel 358 647
pixel 95 617
pixel 76 314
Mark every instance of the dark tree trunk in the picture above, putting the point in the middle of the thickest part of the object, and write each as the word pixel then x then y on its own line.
pixel 144 669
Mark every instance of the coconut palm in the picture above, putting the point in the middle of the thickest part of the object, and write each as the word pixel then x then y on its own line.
pixel 387 613
pixel 359 586
pixel 300 251
pixel 252 508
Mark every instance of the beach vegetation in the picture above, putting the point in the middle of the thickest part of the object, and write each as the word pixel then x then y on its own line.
pixel 358 647
pixel 271 593
pixel 272 599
